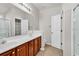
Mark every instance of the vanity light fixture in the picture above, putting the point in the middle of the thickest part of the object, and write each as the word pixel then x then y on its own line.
pixel 23 6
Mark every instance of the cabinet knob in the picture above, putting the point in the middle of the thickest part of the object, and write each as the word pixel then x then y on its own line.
pixel 13 52
pixel 18 49
pixel 32 48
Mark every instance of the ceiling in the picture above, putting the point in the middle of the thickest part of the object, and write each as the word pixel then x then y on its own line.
pixel 4 7
pixel 41 6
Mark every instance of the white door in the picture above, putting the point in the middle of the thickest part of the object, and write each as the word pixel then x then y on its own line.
pixel 24 26
pixel 56 31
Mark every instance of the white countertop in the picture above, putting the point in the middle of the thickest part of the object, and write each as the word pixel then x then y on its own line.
pixel 17 40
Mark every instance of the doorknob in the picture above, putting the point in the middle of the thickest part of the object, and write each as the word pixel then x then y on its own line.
pixel 77 44
pixel 51 32
pixel 18 49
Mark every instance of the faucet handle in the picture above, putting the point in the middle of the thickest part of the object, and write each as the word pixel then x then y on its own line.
pixel 3 42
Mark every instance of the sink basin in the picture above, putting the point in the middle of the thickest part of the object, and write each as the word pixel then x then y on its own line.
pixel 9 44
pixel 3 42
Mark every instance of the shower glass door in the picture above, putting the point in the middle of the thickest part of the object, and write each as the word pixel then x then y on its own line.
pixel 76 31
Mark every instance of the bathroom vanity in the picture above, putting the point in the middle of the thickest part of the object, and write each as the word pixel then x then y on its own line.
pixel 24 45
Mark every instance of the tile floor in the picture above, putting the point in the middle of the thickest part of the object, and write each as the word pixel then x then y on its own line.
pixel 50 51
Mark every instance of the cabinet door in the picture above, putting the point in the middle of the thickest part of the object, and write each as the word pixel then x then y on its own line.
pixel 27 51
pixel 13 53
pixel 31 48
pixel 35 46
pixel 8 53
pixel 39 43
pixel 21 50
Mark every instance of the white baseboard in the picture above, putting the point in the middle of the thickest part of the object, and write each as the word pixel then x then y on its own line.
pixel 42 49
pixel 48 43
pixel 55 47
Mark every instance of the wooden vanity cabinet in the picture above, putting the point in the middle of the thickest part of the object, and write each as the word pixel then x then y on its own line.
pixel 30 48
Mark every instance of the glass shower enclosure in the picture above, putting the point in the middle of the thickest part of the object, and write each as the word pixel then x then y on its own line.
pixel 76 30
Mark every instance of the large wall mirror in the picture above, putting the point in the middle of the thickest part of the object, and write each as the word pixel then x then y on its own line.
pixel 20 27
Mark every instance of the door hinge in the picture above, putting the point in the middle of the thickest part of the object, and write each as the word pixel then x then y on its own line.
pixel 61 17
pixel 61 30
pixel 61 43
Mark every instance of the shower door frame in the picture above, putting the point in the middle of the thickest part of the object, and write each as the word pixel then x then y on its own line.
pixel 72 32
